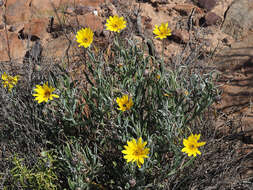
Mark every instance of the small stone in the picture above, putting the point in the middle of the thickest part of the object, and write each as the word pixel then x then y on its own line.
pixel 207 4
pixel 212 19
pixel 180 36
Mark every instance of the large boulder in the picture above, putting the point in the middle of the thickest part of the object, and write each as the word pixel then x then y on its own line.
pixel 238 19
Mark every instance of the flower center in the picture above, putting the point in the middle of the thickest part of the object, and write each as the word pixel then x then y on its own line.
pixel 85 40
pixel 115 25
pixel 138 152
pixel 163 32
pixel 47 94
pixel 124 105
pixel 192 146
pixel 10 80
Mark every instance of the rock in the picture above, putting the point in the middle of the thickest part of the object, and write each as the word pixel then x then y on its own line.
pixel 180 36
pixel 238 19
pixel 31 18
pixel 93 3
pixel 21 11
pixel 88 20
pixel 17 12
pixel 16 47
pixel 235 63
pixel 186 9
pixel 94 22
pixel 47 7
pixel 159 1
pixel 56 48
pixel 207 4
pixel 79 10
pixel 36 28
pixel 210 19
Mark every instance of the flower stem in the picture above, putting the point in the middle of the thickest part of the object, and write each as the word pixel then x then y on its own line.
pixel 162 63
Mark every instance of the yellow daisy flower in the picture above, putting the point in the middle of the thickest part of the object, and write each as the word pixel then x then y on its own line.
pixel 158 77
pixel 186 92
pixel 44 93
pixel 136 151
pixel 124 103
pixel 115 23
pixel 9 81
pixel 162 31
pixel 84 37
pixel 191 145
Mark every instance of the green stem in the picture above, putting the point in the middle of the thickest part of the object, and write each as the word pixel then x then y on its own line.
pixel 162 63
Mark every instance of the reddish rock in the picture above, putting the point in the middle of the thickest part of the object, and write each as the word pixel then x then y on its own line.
pixel 159 1
pixel 212 19
pixel 1 15
pixel 79 10
pixel 46 6
pixel 93 3
pixel 88 20
pixel 71 7
pixel 207 4
pixel 16 47
pixel 56 48
pixel 186 9
pixel 94 22
pixel 17 11
pixel 180 36
pixel 36 27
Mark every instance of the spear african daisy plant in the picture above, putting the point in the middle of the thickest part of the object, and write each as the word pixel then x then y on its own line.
pixel 124 103
pixel 9 81
pixel 191 145
pixel 115 23
pixel 162 31
pixel 44 93
pixel 135 151
pixel 84 37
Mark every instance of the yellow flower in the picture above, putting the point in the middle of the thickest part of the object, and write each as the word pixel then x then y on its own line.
pixel 162 31
pixel 9 81
pixel 191 145
pixel 124 103
pixel 186 93
pixel 136 151
pixel 44 93
pixel 84 37
pixel 158 77
pixel 115 23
